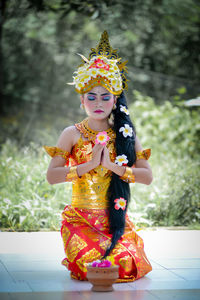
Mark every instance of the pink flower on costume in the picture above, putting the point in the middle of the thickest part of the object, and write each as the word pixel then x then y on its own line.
pixel 101 138
pixel 120 203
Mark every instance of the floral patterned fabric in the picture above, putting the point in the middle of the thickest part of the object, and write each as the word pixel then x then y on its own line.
pixel 85 226
pixel 85 234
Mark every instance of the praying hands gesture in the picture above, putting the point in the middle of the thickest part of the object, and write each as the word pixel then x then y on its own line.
pixel 100 156
pixel 105 158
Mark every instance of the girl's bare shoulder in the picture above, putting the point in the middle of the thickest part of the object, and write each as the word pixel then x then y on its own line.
pixel 68 138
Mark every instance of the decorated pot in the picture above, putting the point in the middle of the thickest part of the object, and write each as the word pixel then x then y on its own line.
pixel 102 279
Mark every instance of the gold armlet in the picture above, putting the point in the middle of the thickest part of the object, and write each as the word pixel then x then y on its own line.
pixel 128 176
pixel 72 175
pixel 145 154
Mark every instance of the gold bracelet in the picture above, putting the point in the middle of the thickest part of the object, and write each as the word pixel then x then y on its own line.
pixel 72 175
pixel 128 176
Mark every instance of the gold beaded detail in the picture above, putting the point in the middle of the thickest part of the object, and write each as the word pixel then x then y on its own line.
pixel 55 151
pixel 128 176
pixel 143 154
pixel 91 134
pixel 72 175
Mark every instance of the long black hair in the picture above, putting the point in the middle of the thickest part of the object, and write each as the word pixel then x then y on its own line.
pixel 119 188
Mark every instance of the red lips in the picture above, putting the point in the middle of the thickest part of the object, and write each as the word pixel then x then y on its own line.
pixel 99 111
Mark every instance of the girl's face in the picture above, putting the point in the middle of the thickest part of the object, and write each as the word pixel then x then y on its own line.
pixel 98 102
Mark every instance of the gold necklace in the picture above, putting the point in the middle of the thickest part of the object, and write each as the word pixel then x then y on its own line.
pixel 90 134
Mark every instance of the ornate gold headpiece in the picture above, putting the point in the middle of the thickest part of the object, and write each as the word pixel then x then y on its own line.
pixel 102 68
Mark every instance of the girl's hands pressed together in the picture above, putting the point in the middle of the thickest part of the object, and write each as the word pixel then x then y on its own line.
pixel 105 161
pixel 96 155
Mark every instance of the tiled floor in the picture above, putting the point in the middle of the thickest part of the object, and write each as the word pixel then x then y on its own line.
pixel 30 269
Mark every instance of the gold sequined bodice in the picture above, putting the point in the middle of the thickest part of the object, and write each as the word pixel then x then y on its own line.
pixel 90 190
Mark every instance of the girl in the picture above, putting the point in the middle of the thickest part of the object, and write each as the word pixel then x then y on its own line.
pixel 100 156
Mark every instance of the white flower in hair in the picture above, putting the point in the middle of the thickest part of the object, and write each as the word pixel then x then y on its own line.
pixel 124 109
pixel 120 203
pixel 126 130
pixel 121 160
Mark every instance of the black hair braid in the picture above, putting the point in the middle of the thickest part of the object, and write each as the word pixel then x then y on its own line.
pixel 119 188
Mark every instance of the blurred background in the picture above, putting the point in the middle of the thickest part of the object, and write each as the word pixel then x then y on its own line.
pixel 38 45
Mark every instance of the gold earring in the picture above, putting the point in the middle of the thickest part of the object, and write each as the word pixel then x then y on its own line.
pixel 114 106
pixel 82 106
pixel 111 119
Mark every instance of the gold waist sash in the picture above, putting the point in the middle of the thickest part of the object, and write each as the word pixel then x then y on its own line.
pixel 90 192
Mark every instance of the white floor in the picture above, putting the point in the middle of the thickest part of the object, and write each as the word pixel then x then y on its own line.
pixel 30 268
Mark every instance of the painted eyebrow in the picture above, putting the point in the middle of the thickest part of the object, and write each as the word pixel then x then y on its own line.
pixel 96 94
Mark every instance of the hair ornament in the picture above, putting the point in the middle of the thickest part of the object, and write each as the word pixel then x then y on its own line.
pixel 120 203
pixel 121 160
pixel 126 130
pixel 124 109
pixel 84 58
pixel 102 68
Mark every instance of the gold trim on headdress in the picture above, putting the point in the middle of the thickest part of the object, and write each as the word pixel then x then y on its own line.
pixel 104 48
pixel 102 68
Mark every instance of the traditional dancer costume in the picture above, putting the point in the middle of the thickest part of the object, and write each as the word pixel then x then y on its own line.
pixel 85 226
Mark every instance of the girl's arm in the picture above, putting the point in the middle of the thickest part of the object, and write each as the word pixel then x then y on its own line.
pixel 57 172
pixel 142 170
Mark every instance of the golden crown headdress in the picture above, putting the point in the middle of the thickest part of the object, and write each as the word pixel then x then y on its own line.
pixel 102 68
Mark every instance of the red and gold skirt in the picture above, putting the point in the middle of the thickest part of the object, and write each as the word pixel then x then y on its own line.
pixel 85 234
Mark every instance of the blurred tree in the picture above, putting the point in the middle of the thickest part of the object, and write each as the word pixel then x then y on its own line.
pixel 20 8
pixel 39 39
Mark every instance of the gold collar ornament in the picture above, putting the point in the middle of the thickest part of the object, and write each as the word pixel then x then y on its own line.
pixel 102 68
pixel 90 134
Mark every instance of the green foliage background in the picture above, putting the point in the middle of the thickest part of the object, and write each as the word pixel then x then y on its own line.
pixel 28 202
pixel 39 40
